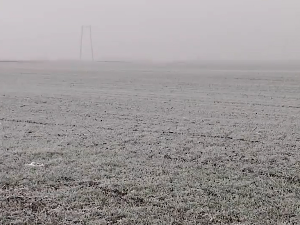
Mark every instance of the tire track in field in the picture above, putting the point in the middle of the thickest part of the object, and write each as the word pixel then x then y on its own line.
pixel 47 124
pixel 108 128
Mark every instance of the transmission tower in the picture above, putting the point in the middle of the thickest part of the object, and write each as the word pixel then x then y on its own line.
pixel 89 29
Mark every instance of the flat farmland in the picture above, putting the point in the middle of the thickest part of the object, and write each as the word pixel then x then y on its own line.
pixel 124 143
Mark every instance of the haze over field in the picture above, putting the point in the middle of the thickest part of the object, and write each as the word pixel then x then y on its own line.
pixel 151 30
pixel 188 115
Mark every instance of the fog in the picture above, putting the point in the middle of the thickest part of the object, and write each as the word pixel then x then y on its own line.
pixel 156 30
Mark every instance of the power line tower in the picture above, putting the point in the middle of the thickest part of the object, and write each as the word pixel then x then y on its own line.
pixel 89 29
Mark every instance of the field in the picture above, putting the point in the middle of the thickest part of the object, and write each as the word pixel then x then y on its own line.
pixel 125 143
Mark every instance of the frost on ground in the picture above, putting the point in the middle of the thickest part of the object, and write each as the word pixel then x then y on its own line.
pixel 148 144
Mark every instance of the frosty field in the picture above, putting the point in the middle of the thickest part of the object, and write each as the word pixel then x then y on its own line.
pixel 125 143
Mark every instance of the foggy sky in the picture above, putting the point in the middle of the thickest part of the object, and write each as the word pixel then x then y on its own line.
pixel 151 29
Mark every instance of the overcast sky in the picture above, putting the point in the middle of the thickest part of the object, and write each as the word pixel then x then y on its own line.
pixel 151 29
